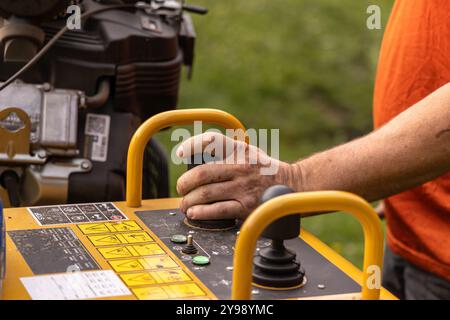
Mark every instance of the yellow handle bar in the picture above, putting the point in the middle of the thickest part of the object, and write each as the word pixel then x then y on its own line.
pixel 302 203
pixel 155 124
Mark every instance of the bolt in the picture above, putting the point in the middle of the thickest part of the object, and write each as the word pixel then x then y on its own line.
pixel 321 286
pixel 85 165
pixel 46 86
pixel 42 154
pixel 172 213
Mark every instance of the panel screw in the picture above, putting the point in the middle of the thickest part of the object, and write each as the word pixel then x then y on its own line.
pixel 85 165
pixel 42 154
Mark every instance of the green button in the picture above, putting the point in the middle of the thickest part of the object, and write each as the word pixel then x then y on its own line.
pixel 200 260
pixel 178 238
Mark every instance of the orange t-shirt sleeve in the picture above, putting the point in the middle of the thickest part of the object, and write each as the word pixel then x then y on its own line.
pixel 415 61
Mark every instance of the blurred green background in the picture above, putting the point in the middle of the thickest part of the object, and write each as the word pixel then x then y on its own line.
pixel 306 67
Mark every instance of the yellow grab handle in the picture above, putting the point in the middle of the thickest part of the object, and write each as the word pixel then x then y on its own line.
pixel 302 203
pixel 155 124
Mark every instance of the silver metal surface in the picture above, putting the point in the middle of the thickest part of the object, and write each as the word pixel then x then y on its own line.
pixel 49 184
pixel 38 140
pixel 53 113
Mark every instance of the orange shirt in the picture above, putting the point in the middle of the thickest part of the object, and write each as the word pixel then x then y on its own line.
pixel 415 61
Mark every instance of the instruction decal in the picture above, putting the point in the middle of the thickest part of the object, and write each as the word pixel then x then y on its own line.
pixel 52 250
pixel 75 286
pixel 76 213
pixel 97 136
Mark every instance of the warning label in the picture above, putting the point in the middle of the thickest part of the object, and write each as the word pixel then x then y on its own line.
pixel 106 240
pixel 76 213
pixel 154 277
pixel 119 238
pixel 150 263
pixel 174 291
pixel 148 249
pixel 115 252
pixel 127 265
pixel 122 226
pixel 138 279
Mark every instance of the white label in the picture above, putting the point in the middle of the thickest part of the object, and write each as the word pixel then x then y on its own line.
pixel 97 130
pixel 75 286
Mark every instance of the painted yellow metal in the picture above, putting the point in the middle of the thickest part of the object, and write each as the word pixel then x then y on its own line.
pixel 155 124
pixel 304 203
pixel 344 265
pixel 20 219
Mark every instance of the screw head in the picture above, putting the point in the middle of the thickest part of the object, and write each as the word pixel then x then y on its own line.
pixel 42 154
pixel 85 165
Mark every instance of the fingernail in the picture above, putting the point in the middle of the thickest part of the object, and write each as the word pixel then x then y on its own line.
pixel 180 152
pixel 189 213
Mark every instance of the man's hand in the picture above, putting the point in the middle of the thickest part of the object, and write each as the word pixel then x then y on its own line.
pixel 231 187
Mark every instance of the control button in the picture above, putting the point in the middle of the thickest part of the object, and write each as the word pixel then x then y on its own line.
pixel 200 260
pixel 178 238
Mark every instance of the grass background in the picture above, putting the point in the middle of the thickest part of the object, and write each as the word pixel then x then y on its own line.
pixel 306 67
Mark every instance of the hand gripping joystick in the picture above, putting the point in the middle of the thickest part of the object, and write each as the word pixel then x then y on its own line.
pixel 216 225
pixel 276 266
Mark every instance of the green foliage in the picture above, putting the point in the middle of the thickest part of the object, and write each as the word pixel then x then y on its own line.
pixel 306 67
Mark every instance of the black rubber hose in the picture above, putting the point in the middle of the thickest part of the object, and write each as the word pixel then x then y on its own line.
pixel 10 181
pixel 99 99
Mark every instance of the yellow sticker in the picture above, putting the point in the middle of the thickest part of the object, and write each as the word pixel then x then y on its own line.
pixel 172 275
pixel 115 252
pixel 92 228
pixel 185 290
pixel 126 265
pixel 151 293
pixel 137 237
pixel 125 226
pixel 138 279
pixel 148 249
pixel 160 262
pixel 106 240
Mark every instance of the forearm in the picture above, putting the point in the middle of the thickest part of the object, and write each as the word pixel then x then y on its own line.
pixel 409 150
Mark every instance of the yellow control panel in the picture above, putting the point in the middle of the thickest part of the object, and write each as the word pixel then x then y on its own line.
pixel 143 266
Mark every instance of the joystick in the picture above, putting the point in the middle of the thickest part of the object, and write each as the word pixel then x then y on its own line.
pixel 213 225
pixel 276 266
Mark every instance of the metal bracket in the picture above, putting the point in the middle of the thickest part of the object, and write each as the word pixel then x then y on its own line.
pixel 15 126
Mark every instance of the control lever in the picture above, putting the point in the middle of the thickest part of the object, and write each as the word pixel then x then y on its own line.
pixel 219 224
pixel 276 266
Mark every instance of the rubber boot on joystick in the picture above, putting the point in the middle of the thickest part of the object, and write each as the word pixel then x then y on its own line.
pixel 219 224
pixel 276 266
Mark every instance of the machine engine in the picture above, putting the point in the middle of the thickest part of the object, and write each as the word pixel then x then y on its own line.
pixel 66 124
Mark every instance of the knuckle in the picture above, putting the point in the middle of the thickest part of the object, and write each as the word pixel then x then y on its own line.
pixel 205 193
pixel 200 174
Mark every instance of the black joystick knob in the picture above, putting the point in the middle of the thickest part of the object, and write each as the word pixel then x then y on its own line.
pixel 219 224
pixel 276 266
